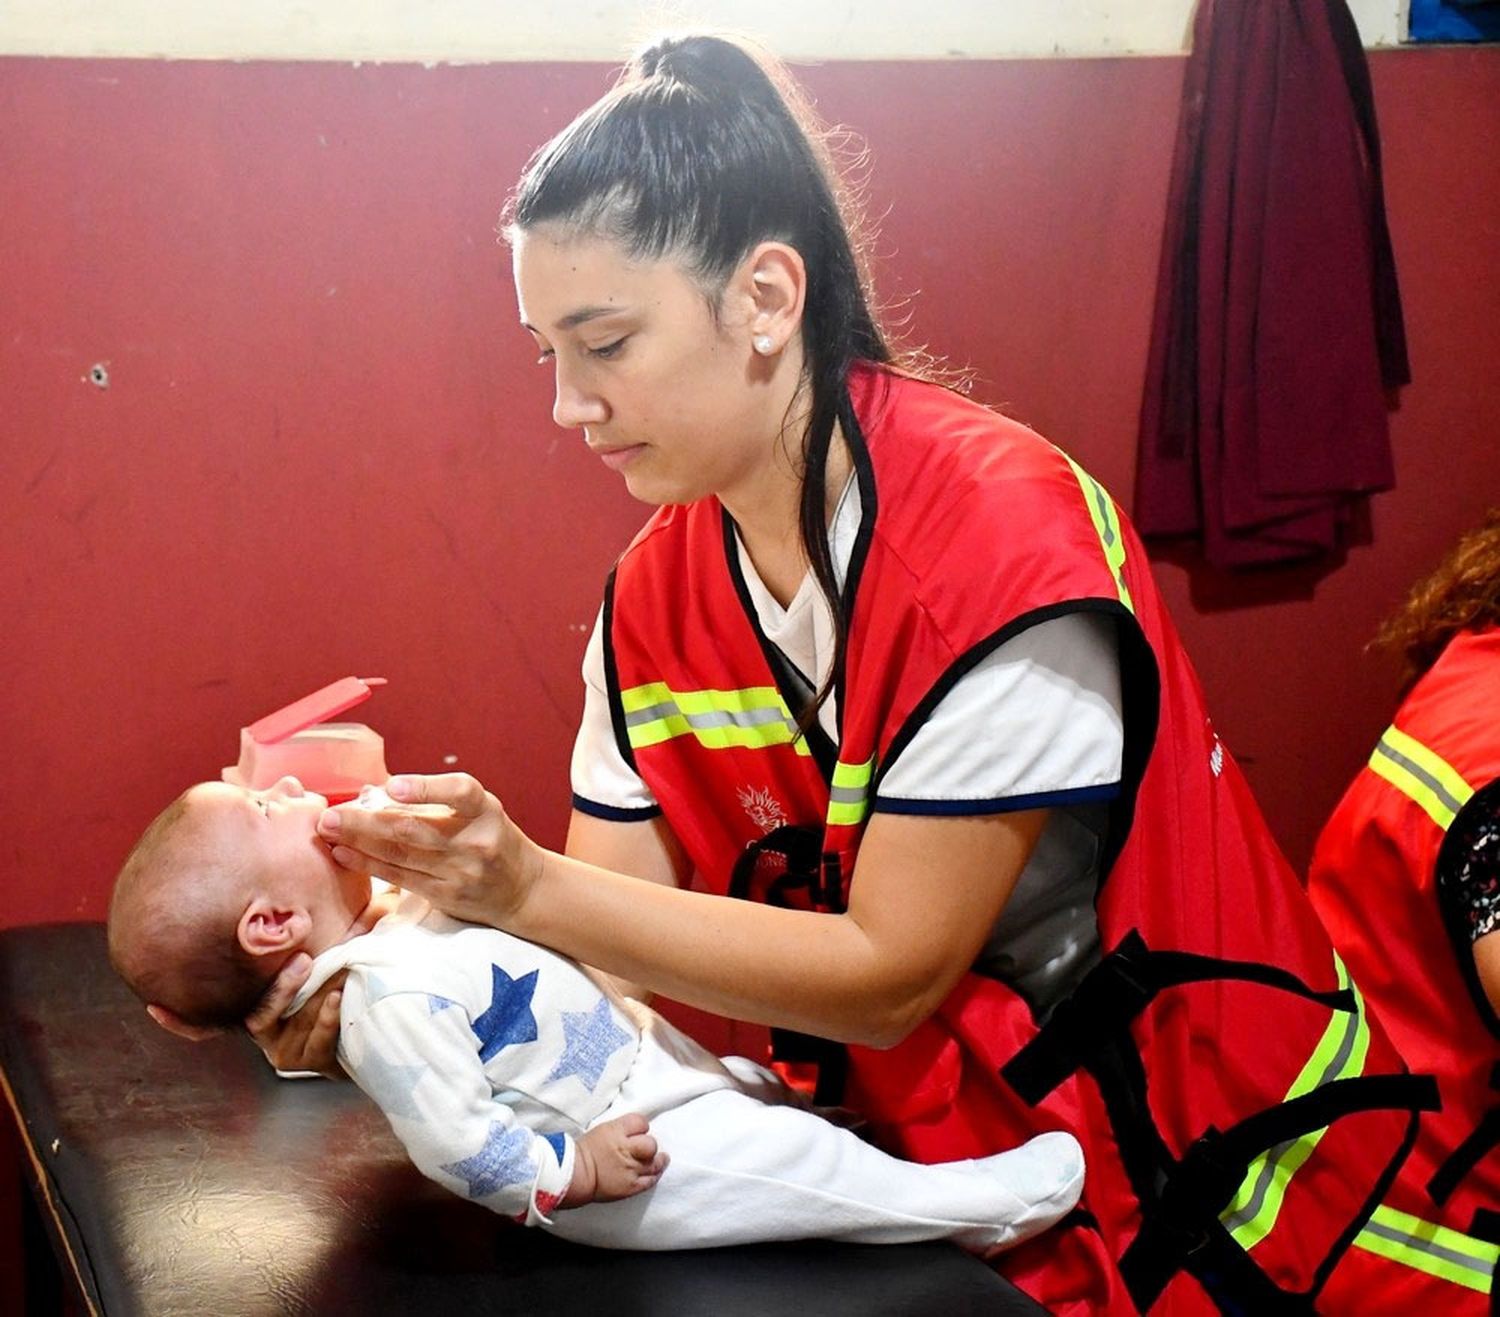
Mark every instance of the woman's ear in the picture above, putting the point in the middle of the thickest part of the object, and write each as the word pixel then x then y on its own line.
pixel 269 927
pixel 776 282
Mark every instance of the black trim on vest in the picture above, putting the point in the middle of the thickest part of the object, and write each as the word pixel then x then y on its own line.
pixel 1180 1201
pixel 869 508
pixel 1140 695
pixel 612 675
pixel 825 754
pixel 1455 917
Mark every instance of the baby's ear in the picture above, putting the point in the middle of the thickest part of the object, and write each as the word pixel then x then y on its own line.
pixel 268 927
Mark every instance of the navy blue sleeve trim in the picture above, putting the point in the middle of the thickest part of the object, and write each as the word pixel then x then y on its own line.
pixel 997 804
pixel 613 812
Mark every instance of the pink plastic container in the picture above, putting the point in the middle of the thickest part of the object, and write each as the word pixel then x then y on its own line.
pixel 333 759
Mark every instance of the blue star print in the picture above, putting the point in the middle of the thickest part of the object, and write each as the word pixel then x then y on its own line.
pixel 504 1160
pixel 509 1018
pixel 592 1037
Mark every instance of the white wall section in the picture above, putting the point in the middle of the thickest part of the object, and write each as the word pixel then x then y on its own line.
pixel 484 31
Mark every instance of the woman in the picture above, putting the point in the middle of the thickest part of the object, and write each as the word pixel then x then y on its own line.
pixel 1406 876
pixel 892 668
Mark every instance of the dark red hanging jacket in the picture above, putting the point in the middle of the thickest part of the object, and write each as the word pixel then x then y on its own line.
pixel 1278 322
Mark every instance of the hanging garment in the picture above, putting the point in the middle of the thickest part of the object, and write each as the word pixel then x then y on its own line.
pixel 1278 324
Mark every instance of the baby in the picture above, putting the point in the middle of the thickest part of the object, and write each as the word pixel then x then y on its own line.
pixel 512 1076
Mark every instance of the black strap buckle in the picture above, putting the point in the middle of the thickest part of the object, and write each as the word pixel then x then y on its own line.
pixel 1110 996
pixel 1184 1218
pixel 806 868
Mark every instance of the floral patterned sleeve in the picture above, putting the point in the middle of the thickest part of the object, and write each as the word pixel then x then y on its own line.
pixel 1472 882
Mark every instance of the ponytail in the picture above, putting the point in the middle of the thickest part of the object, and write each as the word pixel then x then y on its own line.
pixel 702 150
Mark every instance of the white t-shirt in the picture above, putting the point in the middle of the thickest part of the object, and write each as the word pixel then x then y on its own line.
pixel 1037 723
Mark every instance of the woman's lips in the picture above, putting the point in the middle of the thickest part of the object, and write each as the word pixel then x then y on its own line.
pixel 618 458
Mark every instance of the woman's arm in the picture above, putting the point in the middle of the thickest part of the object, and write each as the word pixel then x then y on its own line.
pixel 1487 963
pixel 924 896
pixel 646 849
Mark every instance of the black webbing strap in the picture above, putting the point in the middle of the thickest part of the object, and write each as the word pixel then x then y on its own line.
pixel 1118 989
pixel 805 869
pixel 1481 1141
pixel 1485 1226
pixel 1184 1222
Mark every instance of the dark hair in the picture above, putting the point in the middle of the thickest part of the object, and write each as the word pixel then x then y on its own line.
pixel 703 149
pixel 1461 594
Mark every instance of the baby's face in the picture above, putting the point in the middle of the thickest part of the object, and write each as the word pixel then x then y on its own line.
pixel 277 828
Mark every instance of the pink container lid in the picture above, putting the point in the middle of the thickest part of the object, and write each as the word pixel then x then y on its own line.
pixel 318 707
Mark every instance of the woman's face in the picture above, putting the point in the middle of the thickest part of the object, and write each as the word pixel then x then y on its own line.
pixel 673 398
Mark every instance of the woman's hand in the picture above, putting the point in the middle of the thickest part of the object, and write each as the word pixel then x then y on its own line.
pixel 448 839
pixel 309 1039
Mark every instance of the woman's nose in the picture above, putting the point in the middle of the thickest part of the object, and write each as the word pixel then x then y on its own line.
pixel 286 788
pixel 573 407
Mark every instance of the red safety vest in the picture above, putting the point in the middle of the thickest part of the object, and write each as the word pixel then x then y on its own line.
pixel 1236 1107
pixel 1374 881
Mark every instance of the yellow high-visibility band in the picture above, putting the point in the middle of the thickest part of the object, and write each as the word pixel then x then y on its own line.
pixel 1426 778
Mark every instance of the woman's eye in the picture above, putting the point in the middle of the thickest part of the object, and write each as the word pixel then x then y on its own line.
pixel 546 355
pixel 608 350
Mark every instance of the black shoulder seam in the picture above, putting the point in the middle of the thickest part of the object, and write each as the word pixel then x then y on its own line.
pixel 612 674
pixel 1140 691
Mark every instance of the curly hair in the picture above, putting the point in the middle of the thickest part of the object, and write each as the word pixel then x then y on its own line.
pixel 1462 594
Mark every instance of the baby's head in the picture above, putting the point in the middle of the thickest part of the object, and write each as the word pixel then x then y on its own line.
pixel 222 889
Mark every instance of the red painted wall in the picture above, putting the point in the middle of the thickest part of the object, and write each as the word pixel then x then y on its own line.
pixel 324 447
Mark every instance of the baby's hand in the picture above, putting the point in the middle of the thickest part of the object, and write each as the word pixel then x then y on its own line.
pixel 617 1159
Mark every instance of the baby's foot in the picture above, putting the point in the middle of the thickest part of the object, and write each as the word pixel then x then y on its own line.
pixel 1043 1178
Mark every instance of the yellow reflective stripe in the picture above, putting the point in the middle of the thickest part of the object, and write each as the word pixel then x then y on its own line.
pixel 1107 526
pixel 1431 1248
pixel 753 718
pixel 849 793
pixel 1340 1054
pixel 1425 777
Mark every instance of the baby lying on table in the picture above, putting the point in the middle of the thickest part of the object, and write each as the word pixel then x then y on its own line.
pixel 513 1077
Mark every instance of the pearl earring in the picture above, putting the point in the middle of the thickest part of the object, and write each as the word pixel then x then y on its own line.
pixel 763 343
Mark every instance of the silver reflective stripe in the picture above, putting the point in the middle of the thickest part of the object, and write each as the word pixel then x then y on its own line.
pixel 712 718
pixel 1105 524
pixel 1430 1247
pixel 1432 783
pixel 847 795
pixel 1331 1071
